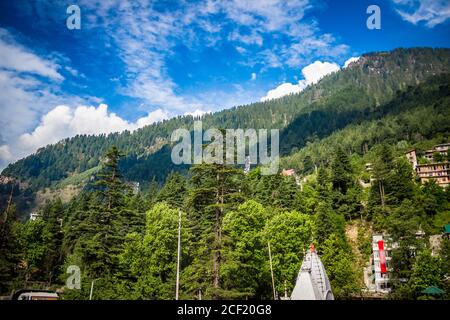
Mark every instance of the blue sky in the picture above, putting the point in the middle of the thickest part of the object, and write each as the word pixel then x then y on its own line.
pixel 136 62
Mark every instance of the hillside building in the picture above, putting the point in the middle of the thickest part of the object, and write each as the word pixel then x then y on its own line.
pixel 441 149
pixel 34 216
pixel 412 158
pixel 377 277
pixel 437 171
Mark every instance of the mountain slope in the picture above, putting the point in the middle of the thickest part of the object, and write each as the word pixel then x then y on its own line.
pixel 358 93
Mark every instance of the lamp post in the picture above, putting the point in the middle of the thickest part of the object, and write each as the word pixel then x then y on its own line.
pixel 178 257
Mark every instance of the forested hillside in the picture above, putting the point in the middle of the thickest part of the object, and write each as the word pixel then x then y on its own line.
pixel 337 100
pixel 371 112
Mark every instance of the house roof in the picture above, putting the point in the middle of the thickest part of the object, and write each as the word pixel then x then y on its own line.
pixel 432 290
pixel 447 228
pixel 312 280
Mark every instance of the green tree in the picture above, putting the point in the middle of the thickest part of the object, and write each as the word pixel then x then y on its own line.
pixel 174 190
pixel 9 255
pixel 327 222
pixel 244 272
pixel 427 272
pixel 381 172
pixel 289 234
pixel 341 177
pixel 215 190
pixel 149 262
pixel 339 263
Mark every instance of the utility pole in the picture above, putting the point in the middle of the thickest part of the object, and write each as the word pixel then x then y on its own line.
pixel 271 272
pixel 92 289
pixel 178 256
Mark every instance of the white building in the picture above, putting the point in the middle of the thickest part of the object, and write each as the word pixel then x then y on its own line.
pixel 312 280
pixel 381 263
pixel 34 216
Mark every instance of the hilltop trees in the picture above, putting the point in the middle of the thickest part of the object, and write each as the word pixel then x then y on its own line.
pixel 342 176
pixel 215 190
pixel 149 261
pixel 127 241
pixel 244 271
pixel 9 250
pixel 337 257
pixel 290 234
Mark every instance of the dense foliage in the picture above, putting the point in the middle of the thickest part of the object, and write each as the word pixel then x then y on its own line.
pixel 125 240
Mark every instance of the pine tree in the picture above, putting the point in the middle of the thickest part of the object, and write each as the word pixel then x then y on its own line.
pixel 53 214
pixel 322 183
pixel 215 190
pixel 111 187
pixel 243 273
pixel 341 169
pixel 174 190
pixel 426 272
pixel 382 171
pixel 9 255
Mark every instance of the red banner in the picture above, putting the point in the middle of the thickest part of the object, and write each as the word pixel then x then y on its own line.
pixel 382 256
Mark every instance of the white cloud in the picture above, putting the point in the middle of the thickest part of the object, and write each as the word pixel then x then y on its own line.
pixel 197 113
pixel 24 94
pixel 241 50
pixel 283 90
pixel 63 122
pixel 253 77
pixel 431 12
pixel 5 153
pixel 311 73
pixel 317 70
pixel 351 60
pixel 146 37
pixel 252 38
pixel 17 58
pixel 154 116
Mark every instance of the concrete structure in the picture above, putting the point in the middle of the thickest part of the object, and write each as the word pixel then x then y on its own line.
pixel 381 257
pixel 369 167
pixel 312 280
pixel 441 149
pixel 439 172
pixel 34 216
pixel 412 158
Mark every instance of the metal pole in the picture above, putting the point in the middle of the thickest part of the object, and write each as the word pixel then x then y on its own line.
pixel 271 272
pixel 92 289
pixel 178 256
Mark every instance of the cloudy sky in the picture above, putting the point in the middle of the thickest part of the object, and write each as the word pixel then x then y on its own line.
pixel 136 62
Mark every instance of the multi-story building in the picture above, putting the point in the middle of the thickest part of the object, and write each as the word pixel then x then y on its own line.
pixel 381 258
pixel 441 149
pixel 439 172
pixel 412 158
